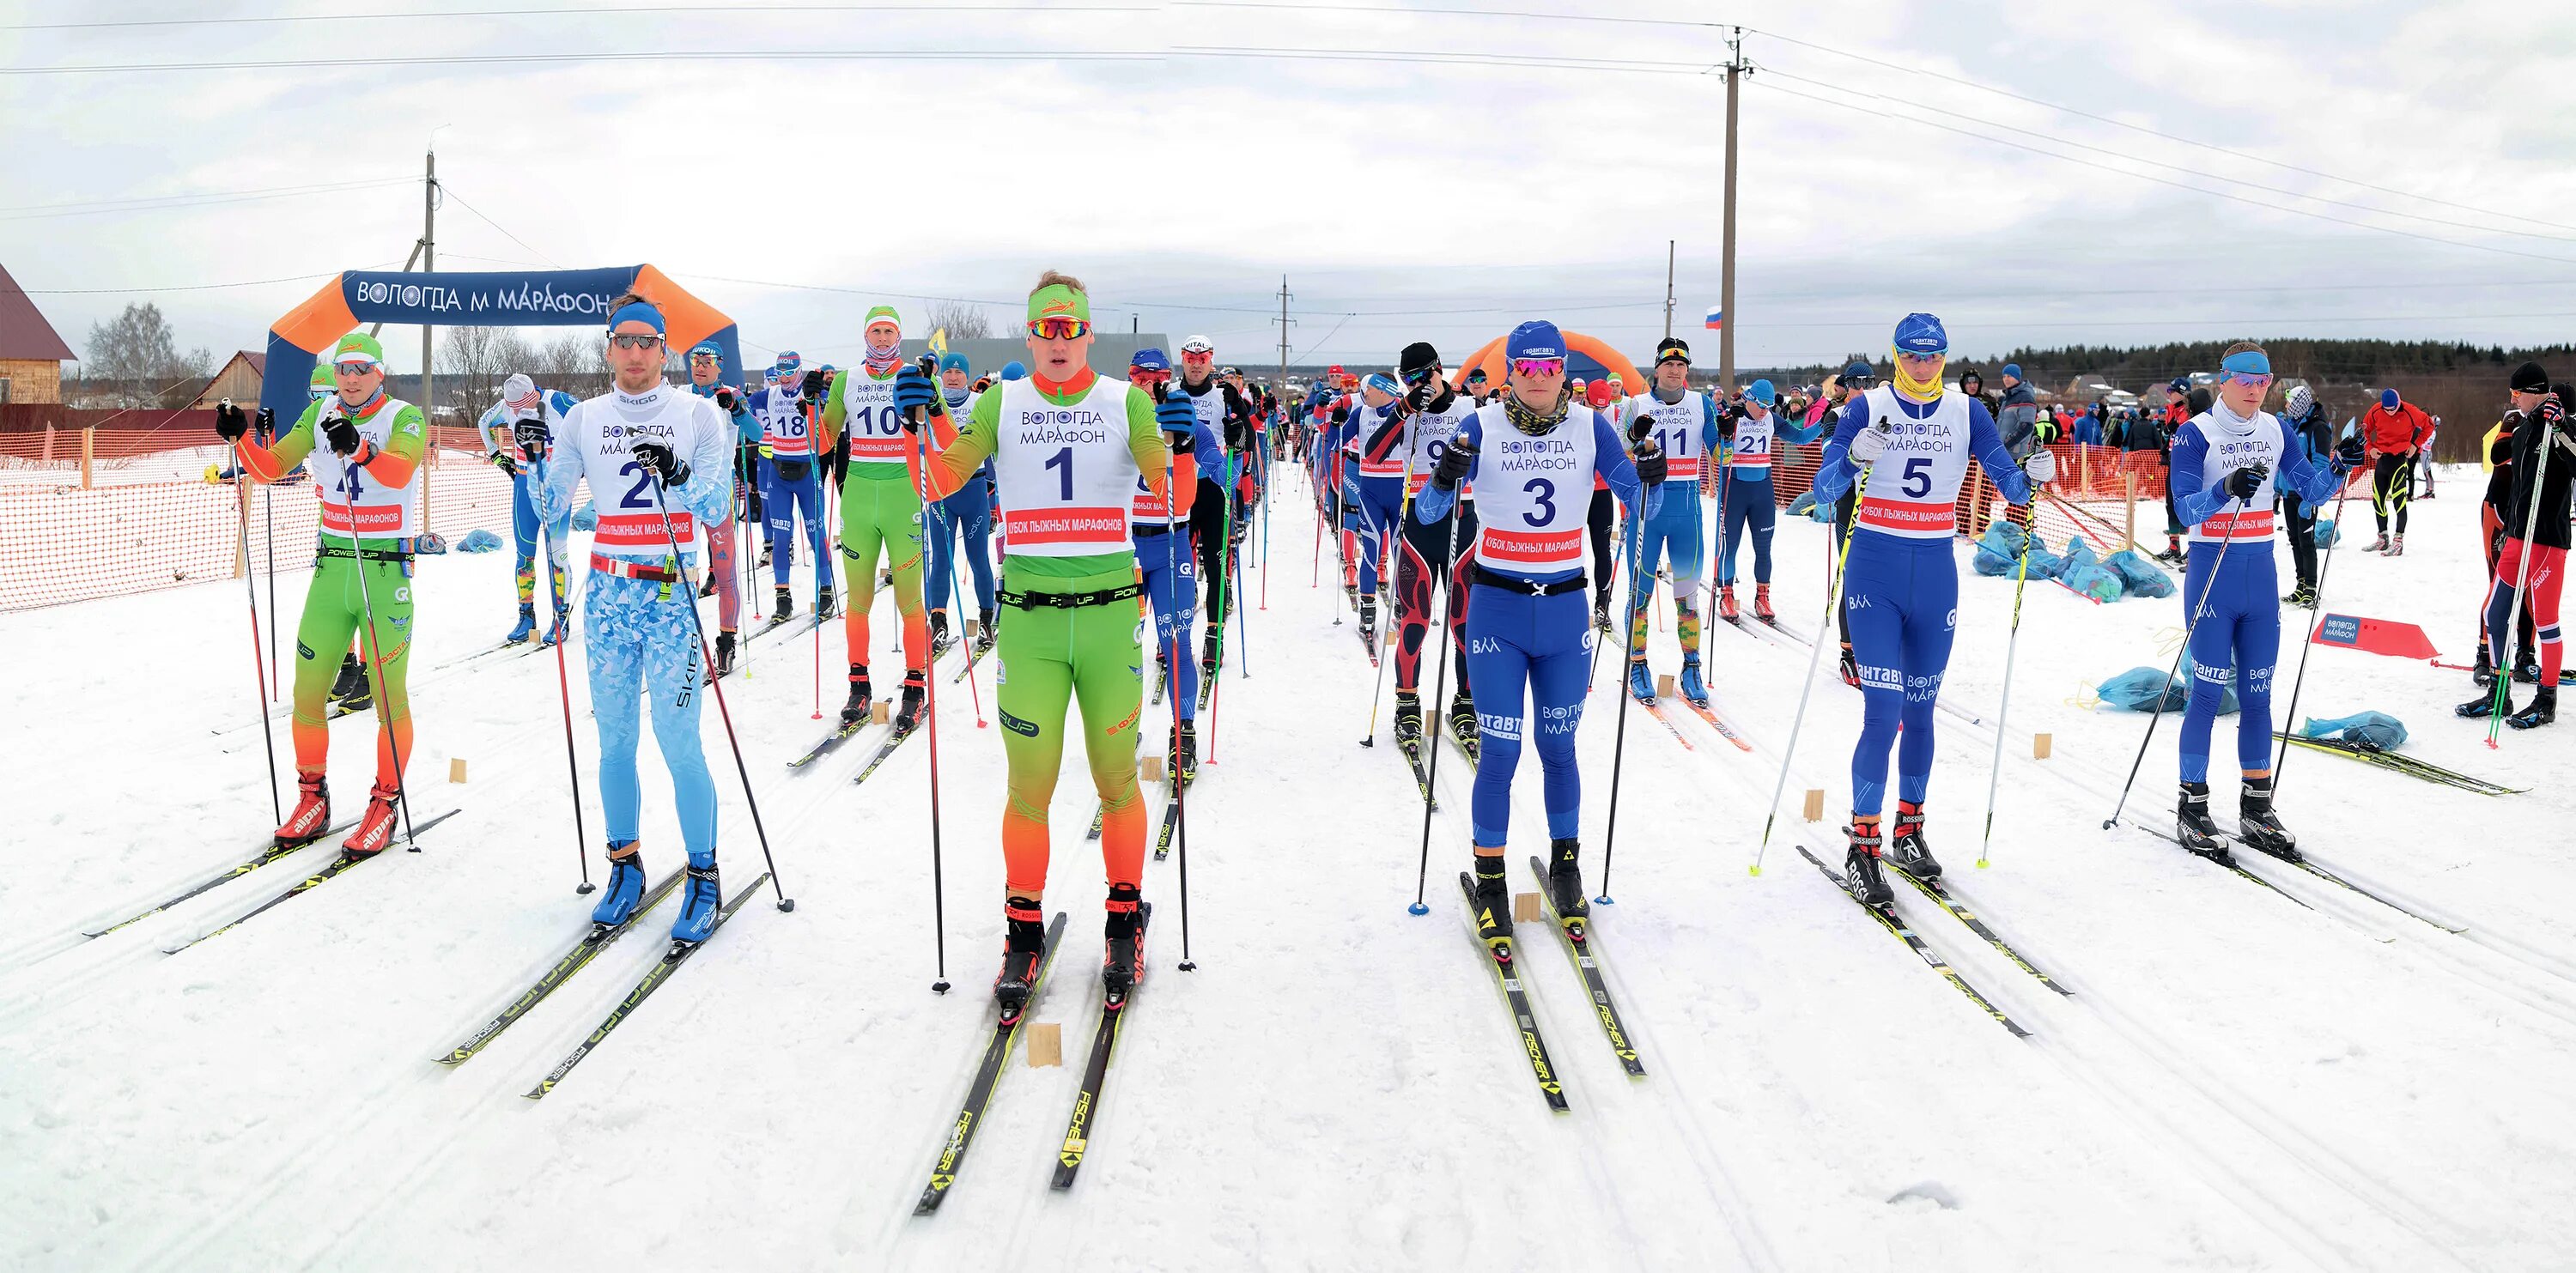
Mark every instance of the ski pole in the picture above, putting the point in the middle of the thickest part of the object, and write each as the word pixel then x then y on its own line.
pixel 957 597
pixel 563 684
pixel 1721 554
pixel 2290 718
pixel 929 687
pixel 2503 641
pixel 1439 693
pixel 367 611
pixel 1815 652
pixel 2191 623
pixel 267 732
pixel 1180 632
pixel 1995 772
pixel 698 630
pixel 268 509
pixel 1619 736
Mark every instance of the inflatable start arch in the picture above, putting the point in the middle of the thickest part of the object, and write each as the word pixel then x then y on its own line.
pixel 543 298
pixel 1578 347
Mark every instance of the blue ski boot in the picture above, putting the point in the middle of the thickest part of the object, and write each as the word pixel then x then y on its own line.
pixel 1692 687
pixel 527 624
pixel 562 626
pixel 625 892
pixel 1641 682
pixel 700 900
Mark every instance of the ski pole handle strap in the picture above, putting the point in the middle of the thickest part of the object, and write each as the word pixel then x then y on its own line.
pixel 1071 600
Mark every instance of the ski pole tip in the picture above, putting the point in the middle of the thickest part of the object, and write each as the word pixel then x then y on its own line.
pixel 1417 909
pixel 787 904
pixel 1753 870
pixel 939 987
pixel 587 888
pixel 1189 965
pixel 1603 900
pixel 1981 864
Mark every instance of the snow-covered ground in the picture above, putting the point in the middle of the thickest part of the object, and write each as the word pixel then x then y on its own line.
pixel 2238 1082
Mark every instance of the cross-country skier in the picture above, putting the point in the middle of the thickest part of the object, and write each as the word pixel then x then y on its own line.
pixel 880 516
pixel 1533 456
pixel 706 380
pixel 968 513
pixel 1684 425
pixel 363 448
pixel 1756 430
pixel 1228 415
pixel 658 461
pixel 1169 569
pixel 1068 446
pixel 2542 468
pixel 1845 390
pixel 793 485
pixel 522 400
pixel 2396 431
pixel 1437 411
pixel 2227 462
pixel 1373 482
pixel 1907 444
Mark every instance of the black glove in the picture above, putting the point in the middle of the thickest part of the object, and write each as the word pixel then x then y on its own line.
pixel 1419 397
pixel 1454 463
pixel 1640 428
pixel 502 461
pixel 813 389
pixel 533 436
pixel 266 422
pixel 1185 442
pixel 2551 413
pixel 673 470
pixel 2349 453
pixel 341 433
pixel 727 398
pixel 2245 481
pixel 230 422
pixel 1650 463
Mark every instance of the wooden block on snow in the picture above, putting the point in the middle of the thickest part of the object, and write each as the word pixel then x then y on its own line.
pixel 884 712
pixel 1150 768
pixel 1525 908
pixel 456 769
pixel 1046 1044
pixel 1815 804
pixel 2038 748
pixel 1664 685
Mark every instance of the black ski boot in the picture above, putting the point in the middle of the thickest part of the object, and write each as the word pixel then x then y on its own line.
pixel 2483 671
pixel 786 606
pixel 984 633
pixel 2485 705
pixel 1183 760
pixel 825 604
pixel 1462 724
pixel 1023 953
pixel 1850 667
pixel 1368 616
pixel 1565 885
pixel 1860 866
pixel 1906 849
pixel 2260 828
pixel 1493 906
pixel 2193 827
pixel 855 712
pixel 907 712
pixel 1123 964
pixel 1212 652
pixel 2526 669
pixel 939 641
pixel 352 680
pixel 2543 710
pixel 1601 611
pixel 1408 724
pixel 725 642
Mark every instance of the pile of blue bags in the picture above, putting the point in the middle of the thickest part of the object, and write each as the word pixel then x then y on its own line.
pixel 2122 574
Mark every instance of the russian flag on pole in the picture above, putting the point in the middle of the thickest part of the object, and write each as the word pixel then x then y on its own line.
pixel 1716 318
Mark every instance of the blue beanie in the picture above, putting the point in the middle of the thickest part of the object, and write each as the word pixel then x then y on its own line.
pixel 1013 371
pixel 2387 399
pixel 1858 370
pixel 2012 369
pixel 1537 338
pixel 953 362
pixel 1761 391
pixel 1921 334
pixel 1149 358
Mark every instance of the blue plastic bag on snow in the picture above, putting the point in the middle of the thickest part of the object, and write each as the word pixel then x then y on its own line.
pixel 478 541
pixel 2138 576
pixel 2370 729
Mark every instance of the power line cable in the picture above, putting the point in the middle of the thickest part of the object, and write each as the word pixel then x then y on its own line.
pixel 650 55
pixel 727 10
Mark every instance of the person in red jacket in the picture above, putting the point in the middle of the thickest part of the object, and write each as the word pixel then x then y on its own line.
pixel 2395 432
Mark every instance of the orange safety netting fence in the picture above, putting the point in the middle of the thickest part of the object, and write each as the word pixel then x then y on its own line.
pixel 148 518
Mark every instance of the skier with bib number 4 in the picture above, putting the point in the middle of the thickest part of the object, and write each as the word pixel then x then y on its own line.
pixel 1533 456
pixel 1907 444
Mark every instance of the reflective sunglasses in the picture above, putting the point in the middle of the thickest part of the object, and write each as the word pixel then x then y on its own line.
pixel 706 357
pixel 1420 375
pixel 2250 378
pixel 1538 367
pixel 627 340
pixel 1057 327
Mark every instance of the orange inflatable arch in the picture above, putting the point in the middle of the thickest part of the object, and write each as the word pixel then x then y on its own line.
pixel 1490 357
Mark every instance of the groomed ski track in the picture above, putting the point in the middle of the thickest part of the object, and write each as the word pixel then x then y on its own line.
pixel 2237 1083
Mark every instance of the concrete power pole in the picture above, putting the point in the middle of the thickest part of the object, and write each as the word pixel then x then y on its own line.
pixel 1669 246
pixel 1283 336
pixel 1735 71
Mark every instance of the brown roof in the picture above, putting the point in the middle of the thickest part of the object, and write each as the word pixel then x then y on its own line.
pixel 24 333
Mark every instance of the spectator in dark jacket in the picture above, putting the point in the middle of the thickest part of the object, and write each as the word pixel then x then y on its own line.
pixel 2018 420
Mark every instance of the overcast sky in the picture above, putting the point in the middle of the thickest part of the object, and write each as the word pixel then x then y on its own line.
pixel 2402 169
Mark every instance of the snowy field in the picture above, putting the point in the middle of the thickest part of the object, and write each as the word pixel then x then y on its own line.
pixel 2237 1082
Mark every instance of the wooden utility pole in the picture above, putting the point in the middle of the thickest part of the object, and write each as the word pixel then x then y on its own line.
pixel 1668 288
pixel 1735 71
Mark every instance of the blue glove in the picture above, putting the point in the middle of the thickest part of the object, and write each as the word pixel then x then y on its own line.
pixel 1175 415
pixel 914 390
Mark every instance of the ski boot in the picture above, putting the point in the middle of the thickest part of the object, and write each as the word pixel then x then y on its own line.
pixel 1862 878
pixel 2543 710
pixel 2526 669
pixel 561 628
pixel 707 588
pixel 1641 682
pixel 1023 954
pixel 624 893
pixel 2260 828
pixel 1726 607
pixel 1762 603
pixel 725 642
pixel 1182 761
pixel 354 690
pixel 1408 724
pixel 1850 667
pixel 1123 963
pixel 1493 902
pixel 984 633
pixel 2483 671
pixel 2397 545
pixel 2379 545
pixel 1368 616
pixel 701 901
pixel 855 712
pixel 1906 849
pixel 2304 596
pixel 1462 724
pixel 312 813
pixel 1692 687
pixel 1212 652
pixel 526 626
pixel 2193 827
pixel 376 825
pixel 786 605
pixel 825 605
pixel 2486 705
pixel 1565 885
pixel 1601 612
pixel 939 640
pixel 907 712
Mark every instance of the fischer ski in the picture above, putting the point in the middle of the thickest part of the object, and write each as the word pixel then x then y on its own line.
pixel 273 853
pixel 839 735
pixel 1516 998
pixel 893 740
pixel 988 1074
pixel 1171 820
pixel 599 938
pixel 1095 1072
pixel 1579 949
pixel 337 865
pixel 1947 901
pixel 2400 763
pixel 653 978
pixel 1888 919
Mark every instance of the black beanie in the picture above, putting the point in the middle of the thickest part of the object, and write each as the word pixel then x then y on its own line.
pixel 2530 377
pixel 1418 356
